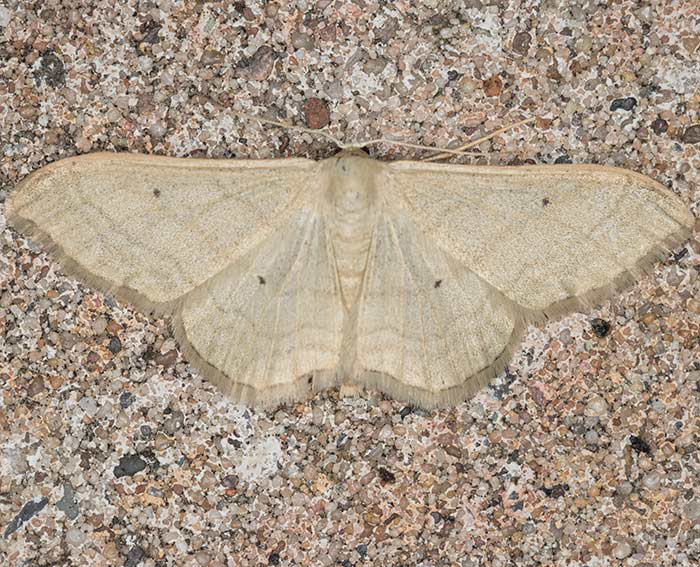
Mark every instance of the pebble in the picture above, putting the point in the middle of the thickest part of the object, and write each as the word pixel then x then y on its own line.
pixel 317 416
pixel 493 86
pixel 68 504
pixel 4 16
pixel 597 407
pixel 521 42
pixel 134 556
pixel 622 550
pixel 75 537
pixel 625 488
pixel 316 113
pixel 202 558
pixel 600 327
pixel 659 126
pixel 623 104
pixel 36 387
pixel 126 399
pixel 161 442
pixel 114 345
pixel 301 41
pixel 375 66
pixel 694 306
pixel 692 510
pixel 28 511
pixel 691 135
pixel 652 480
pixel 592 437
pixel 167 359
pixel 157 129
pixel 99 325
pixel 259 66
pixel 212 57
pixel 88 405
pixel 174 422
pixel 129 465
pixel 51 70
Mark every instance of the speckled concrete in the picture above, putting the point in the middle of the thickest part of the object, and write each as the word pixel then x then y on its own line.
pixel 584 453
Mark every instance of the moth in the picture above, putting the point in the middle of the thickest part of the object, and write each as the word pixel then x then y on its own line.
pixel 287 276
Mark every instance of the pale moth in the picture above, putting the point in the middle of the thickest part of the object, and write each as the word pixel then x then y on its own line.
pixel 287 276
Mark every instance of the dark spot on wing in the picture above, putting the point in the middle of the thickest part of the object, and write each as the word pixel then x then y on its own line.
pixel 156 193
pixel 680 254
pixel 545 201
pixel 601 327
pixel 437 284
pixel 261 280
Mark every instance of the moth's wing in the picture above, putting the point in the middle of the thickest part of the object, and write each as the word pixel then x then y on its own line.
pixel 153 228
pixel 268 328
pixel 428 330
pixel 549 237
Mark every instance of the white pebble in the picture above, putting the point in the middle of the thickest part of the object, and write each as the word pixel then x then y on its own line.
pixel 88 405
pixel 652 480
pixel 75 537
pixel 622 550
pixel 597 407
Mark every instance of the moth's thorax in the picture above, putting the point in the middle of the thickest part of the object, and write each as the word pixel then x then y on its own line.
pixel 351 206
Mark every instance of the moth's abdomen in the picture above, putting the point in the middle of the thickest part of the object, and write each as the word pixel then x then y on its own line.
pixel 351 200
pixel 351 234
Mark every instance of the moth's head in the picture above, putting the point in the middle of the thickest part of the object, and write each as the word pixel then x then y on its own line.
pixel 351 178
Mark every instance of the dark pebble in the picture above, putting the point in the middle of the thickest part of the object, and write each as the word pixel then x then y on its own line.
pixel 691 135
pixel 134 557
pixel 639 445
pixel 167 359
pixel 362 550
pixel 601 327
pixel 259 66
pixel 623 104
pixel 557 491
pixel 386 476
pixel 126 399
pixel 115 345
pixel 659 126
pixel 230 481
pixel 563 159
pixel 406 411
pixel 521 42
pixel 501 388
pixel 28 511
pixel 67 504
pixel 150 30
pixel 50 70
pixel 273 559
pixel 129 465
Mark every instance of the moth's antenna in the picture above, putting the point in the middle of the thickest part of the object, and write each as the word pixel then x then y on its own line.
pixel 292 127
pixel 459 151
pixel 446 153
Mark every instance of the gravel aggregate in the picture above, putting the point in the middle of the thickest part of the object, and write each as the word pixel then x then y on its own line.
pixel 583 453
